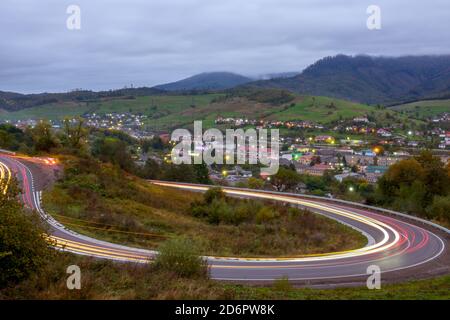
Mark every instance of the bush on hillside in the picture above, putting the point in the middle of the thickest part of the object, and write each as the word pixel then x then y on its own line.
pixel 181 256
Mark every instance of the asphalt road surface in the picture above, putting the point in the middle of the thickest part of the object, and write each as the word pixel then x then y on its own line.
pixel 394 245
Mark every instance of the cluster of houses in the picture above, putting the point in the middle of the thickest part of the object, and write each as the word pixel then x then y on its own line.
pixel 240 122
pixel 445 117
pixel 365 164
pixel 115 121
pixel 129 123
pixel 444 140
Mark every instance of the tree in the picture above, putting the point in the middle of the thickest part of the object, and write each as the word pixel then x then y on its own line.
pixel 14 139
pixel 180 173
pixel 410 185
pixel 435 177
pixel 255 183
pixel 23 249
pixel 115 151
pixel 285 179
pixel 440 208
pixel 151 170
pixel 43 137
pixel 154 143
pixel 74 133
pixel 202 173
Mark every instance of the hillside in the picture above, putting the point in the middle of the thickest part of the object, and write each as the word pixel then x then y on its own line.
pixel 11 101
pixel 372 80
pixel 166 112
pixel 424 109
pixel 206 81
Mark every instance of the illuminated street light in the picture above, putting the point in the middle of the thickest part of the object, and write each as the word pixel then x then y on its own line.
pixel 351 189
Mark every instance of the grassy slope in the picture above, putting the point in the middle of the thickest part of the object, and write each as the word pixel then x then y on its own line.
pixel 413 290
pixel 144 105
pixel 167 112
pixel 317 109
pixel 424 109
pixel 99 200
pixel 107 280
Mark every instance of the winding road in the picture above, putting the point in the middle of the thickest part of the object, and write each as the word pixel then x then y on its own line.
pixel 394 244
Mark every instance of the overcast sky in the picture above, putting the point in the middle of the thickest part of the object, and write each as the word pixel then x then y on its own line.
pixel 149 42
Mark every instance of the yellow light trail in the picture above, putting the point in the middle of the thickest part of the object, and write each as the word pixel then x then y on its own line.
pixel 5 171
pixel 129 255
pixel 80 247
pixel 378 247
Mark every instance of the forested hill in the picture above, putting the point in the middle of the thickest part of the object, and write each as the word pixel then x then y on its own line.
pixel 206 81
pixel 373 80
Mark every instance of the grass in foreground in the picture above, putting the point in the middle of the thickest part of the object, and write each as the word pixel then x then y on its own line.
pixel 103 279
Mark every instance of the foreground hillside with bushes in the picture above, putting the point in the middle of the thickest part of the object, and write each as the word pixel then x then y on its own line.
pixel 101 200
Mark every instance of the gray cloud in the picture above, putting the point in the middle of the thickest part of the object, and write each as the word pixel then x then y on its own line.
pixel 151 42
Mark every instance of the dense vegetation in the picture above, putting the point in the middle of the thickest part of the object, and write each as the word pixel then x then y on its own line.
pixel 420 185
pixel 206 81
pixel 100 199
pixel 103 279
pixel 373 80
pixel 23 249
pixel 182 257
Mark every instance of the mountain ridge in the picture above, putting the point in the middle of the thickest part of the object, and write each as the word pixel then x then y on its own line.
pixel 206 81
pixel 372 80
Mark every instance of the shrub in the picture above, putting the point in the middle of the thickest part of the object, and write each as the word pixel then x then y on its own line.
pixel 440 208
pixel 213 193
pixel 282 285
pixel 181 256
pixel 265 214
pixel 23 250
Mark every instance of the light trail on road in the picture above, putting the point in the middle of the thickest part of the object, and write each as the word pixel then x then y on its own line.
pixel 393 244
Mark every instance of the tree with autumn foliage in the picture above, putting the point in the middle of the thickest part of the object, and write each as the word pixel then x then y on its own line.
pixel 418 185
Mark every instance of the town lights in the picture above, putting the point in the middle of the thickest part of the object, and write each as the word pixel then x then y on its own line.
pixel 351 189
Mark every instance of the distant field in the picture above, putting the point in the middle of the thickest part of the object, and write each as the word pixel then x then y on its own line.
pixel 424 109
pixel 323 109
pixel 153 106
pixel 49 111
pixel 168 112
